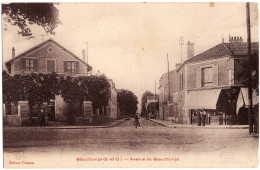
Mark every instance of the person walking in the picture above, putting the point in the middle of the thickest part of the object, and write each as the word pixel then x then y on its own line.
pixel 136 120
pixel 204 117
pixel 199 117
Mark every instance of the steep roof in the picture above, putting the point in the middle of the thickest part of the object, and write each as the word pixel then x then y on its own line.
pixel 41 44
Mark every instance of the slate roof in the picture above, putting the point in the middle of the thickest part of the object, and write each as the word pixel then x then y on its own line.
pixel 224 49
pixel 39 45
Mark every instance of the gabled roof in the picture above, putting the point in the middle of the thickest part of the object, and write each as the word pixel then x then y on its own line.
pixel 41 44
pixel 224 49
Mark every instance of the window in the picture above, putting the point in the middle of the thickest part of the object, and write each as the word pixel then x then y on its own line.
pixel 71 66
pixel 50 65
pixel 181 82
pixel 29 64
pixel 206 76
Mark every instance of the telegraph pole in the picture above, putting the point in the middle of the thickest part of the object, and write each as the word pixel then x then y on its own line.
pixel 181 42
pixel 250 115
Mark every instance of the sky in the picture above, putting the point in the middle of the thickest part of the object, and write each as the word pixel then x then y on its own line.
pixel 129 42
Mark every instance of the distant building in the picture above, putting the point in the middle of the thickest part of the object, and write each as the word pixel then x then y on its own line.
pixel 166 94
pixel 111 109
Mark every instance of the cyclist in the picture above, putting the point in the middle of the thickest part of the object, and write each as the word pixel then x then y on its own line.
pixel 136 117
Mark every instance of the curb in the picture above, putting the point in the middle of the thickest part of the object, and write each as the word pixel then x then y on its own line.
pixel 164 125
pixel 117 123
pixel 70 127
pixel 201 127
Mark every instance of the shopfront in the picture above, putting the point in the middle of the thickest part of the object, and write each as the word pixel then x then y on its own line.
pixel 216 105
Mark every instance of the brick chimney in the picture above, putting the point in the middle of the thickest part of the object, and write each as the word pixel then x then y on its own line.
pixel 84 55
pixel 177 65
pixel 190 50
pixel 234 40
pixel 13 52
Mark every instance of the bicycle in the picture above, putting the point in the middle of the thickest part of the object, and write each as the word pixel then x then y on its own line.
pixel 141 124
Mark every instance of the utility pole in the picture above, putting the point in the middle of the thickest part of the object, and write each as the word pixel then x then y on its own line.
pixel 181 42
pixel 250 115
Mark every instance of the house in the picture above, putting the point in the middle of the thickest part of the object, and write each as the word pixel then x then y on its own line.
pixel 111 109
pixel 47 57
pixel 167 87
pixel 208 81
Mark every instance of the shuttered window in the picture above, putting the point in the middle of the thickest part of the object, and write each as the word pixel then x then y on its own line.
pixel 29 64
pixel 206 76
pixel 51 66
pixel 71 67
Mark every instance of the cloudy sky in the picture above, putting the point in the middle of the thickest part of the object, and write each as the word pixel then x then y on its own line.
pixel 129 42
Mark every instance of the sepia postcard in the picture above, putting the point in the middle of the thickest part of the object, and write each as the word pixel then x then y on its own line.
pixel 130 84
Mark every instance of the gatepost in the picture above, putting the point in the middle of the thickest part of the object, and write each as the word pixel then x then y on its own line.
pixel 88 110
pixel 23 110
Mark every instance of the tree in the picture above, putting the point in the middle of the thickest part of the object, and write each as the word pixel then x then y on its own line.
pixel 22 15
pixel 242 74
pixel 93 88
pixel 144 101
pixel 127 102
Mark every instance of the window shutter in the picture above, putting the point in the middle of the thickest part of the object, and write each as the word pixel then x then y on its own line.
pixel 65 66
pixel 23 63
pixel 35 66
pixel 198 77
pixel 77 67
pixel 215 75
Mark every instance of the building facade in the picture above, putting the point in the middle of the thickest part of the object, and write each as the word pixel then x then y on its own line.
pixel 208 82
pixel 48 57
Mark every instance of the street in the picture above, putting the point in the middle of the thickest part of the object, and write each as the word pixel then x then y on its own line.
pixel 190 147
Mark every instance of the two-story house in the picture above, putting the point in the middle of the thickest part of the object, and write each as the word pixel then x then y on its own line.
pixel 207 81
pixel 46 57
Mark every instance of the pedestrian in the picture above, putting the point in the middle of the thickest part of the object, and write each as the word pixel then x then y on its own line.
pixel 136 120
pixel 199 117
pixel 204 117
pixel 209 117
pixel 42 117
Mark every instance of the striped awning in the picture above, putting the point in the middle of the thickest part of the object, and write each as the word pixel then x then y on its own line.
pixel 202 99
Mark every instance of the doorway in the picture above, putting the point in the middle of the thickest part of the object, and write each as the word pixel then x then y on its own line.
pixel 51 110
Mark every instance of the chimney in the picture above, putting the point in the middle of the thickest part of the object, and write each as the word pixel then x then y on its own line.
pixel 234 40
pixel 13 52
pixel 177 65
pixel 83 55
pixel 190 50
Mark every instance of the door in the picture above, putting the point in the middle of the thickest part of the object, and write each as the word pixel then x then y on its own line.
pixel 51 111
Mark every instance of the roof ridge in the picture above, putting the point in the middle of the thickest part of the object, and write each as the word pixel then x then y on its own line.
pixel 40 44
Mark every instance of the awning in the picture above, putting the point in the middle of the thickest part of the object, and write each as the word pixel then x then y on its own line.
pixel 202 99
pixel 242 99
